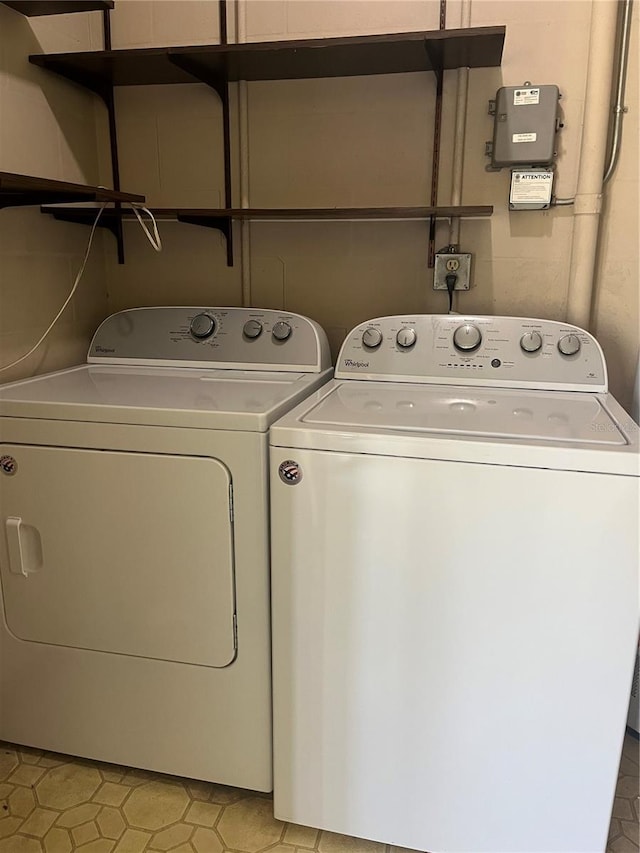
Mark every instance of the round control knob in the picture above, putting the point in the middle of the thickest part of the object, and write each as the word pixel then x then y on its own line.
pixel 531 341
pixel 406 338
pixel 569 345
pixel 281 331
pixel 372 338
pixel 252 329
pixel 202 326
pixel 466 338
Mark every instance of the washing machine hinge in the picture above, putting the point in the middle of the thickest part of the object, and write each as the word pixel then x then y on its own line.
pixel 231 502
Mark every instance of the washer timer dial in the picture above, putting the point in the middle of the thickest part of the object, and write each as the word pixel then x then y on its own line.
pixel 467 338
pixel 202 326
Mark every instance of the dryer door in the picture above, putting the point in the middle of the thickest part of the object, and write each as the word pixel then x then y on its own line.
pixel 130 553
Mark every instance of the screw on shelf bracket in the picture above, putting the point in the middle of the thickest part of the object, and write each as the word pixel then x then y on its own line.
pixel 223 224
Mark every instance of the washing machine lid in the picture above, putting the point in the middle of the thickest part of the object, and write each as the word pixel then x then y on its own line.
pixel 468 411
pixel 210 398
pixel 543 429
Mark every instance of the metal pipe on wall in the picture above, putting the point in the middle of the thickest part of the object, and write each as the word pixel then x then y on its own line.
pixel 619 108
pixel 588 200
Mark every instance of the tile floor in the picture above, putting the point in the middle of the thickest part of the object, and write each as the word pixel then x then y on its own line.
pixel 51 803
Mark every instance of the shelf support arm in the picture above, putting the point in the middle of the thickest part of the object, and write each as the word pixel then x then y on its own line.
pixel 221 223
pixel 109 99
pixel 219 85
pixel 434 54
pixel 82 216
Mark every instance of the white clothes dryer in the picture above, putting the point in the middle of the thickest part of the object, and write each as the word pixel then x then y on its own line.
pixel 134 545
pixel 455 551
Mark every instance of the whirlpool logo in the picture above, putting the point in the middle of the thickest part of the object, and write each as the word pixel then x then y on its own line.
pixel 105 349
pixel 350 362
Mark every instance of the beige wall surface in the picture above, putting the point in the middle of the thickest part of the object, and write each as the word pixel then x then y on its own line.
pixel 354 141
pixel 47 129
pixel 616 299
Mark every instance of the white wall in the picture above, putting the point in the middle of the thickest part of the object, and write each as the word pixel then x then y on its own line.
pixel 616 302
pixel 47 128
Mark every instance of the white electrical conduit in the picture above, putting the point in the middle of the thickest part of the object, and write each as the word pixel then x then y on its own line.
pixel 588 198
pixel 619 108
pixel 459 134
pixel 243 134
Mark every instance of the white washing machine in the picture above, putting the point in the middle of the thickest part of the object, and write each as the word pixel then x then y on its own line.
pixel 455 545
pixel 134 546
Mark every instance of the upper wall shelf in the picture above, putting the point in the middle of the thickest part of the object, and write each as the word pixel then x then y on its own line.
pixel 282 60
pixel 37 8
pixel 276 214
pixel 221 218
pixel 21 190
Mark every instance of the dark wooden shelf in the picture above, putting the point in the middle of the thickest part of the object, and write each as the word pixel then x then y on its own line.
pixel 314 214
pixel 281 60
pixel 347 213
pixel 38 8
pixel 21 190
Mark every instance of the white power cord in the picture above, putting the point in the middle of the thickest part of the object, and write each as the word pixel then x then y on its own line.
pixel 153 239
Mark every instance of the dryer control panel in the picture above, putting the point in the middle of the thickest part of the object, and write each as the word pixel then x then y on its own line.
pixel 454 349
pixel 212 337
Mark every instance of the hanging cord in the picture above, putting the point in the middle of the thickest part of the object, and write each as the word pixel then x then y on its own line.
pixel 451 280
pixel 155 241
pixel 154 238
pixel 66 301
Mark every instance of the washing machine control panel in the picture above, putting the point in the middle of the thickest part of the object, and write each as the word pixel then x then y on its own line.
pixel 455 349
pixel 212 337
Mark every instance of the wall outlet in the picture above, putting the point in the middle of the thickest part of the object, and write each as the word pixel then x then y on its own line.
pixel 449 263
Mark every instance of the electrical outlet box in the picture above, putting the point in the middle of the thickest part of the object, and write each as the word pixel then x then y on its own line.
pixel 452 263
pixel 525 125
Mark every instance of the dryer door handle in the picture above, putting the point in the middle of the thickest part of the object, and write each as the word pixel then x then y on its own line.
pixel 14 541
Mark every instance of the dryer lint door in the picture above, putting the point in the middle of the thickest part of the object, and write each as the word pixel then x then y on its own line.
pixel 130 553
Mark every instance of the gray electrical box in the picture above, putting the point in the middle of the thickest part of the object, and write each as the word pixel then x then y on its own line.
pixel 525 125
pixel 456 264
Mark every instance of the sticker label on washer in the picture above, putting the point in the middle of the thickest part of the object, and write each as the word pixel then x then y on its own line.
pixel 526 96
pixel 8 465
pixel 290 472
pixel 524 137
